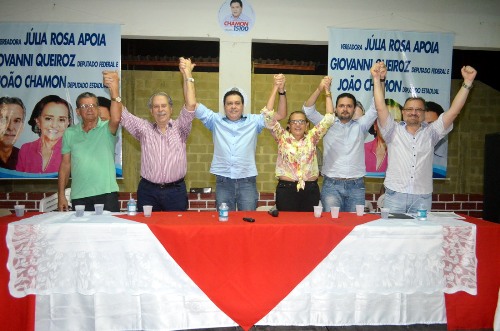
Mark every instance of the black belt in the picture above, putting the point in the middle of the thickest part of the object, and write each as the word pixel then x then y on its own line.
pixel 287 183
pixel 164 185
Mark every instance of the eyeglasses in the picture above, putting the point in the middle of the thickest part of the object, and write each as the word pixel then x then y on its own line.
pixel 411 110
pixel 89 105
pixel 297 122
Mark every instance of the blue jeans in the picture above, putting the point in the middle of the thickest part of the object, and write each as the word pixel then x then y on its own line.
pixel 168 198
pixel 406 203
pixel 345 194
pixel 238 193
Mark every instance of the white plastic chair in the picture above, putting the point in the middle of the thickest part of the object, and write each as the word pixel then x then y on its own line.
pixel 369 206
pixel 5 212
pixel 264 208
pixel 380 201
pixel 50 203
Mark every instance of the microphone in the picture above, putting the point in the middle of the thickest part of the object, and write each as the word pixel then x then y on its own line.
pixel 273 212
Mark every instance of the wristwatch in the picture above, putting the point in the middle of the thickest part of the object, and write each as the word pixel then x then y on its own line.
pixel 282 93
pixel 117 99
pixel 467 86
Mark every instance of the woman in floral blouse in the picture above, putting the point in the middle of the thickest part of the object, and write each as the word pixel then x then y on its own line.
pixel 297 164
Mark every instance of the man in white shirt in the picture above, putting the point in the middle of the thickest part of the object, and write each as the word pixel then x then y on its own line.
pixel 344 152
pixel 410 144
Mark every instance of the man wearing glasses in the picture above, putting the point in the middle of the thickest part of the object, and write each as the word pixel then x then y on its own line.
pixel 88 152
pixel 344 152
pixel 410 144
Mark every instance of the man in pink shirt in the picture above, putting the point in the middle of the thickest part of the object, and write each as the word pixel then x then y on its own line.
pixel 163 147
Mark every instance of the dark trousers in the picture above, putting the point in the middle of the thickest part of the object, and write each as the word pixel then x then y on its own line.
pixel 163 197
pixel 289 199
pixel 110 201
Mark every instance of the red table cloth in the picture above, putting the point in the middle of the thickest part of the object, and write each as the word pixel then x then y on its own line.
pixel 190 242
pixel 217 263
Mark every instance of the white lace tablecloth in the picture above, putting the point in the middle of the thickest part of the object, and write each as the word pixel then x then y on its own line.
pixel 60 253
pixel 105 272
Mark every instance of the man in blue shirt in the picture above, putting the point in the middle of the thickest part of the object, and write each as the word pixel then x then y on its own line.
pixel 344 153
pixel 235 140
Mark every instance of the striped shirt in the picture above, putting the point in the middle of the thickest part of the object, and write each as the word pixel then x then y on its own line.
pixel 409 168
pixel 163 155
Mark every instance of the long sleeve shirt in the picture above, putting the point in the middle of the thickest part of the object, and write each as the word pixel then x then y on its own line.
pixel 343 144
pixel 163 155
pixel 409 168
pixel 297 158
pixel 234 142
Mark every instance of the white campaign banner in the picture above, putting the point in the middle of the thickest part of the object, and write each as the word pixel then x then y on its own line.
pixel 46 62
pixel 418 64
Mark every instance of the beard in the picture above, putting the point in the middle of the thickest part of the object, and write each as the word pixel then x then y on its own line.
pixel 412 119
pixel 344 115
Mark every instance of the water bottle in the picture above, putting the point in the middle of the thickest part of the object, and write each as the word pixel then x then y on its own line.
pixel 223 212
pixel 132 207
pixel 422 212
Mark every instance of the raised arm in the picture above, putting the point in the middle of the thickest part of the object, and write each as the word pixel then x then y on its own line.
pixel 186 68
pixel 326 81
pixel 112 81
pixel 328 97
pixel 270 117
pixel 62 182
pixel 468 74
pixel 279 81
pixel 378 72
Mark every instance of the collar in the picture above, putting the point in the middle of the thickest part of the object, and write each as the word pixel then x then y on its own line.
pixel 242 118
pixel 337 120
pixel 169 125
pixel 99 121
pixel 422 125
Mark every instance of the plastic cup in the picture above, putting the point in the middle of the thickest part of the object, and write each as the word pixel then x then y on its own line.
pixel 147 210
pixel 99 208
pixel 19 210
pixel 80 209
pixel 335 212
pixel 360 210
pixel 317 211
pixel 384 212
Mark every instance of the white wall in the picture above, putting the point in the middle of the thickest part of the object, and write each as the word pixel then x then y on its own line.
pixel 476 23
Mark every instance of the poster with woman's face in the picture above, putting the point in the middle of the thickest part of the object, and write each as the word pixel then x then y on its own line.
pixel 43 68
pixel 376 156
pixel 50 117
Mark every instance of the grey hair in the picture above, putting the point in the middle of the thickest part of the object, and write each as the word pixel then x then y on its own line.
pixel 13 101
pixel 86 95
pixel 169 99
